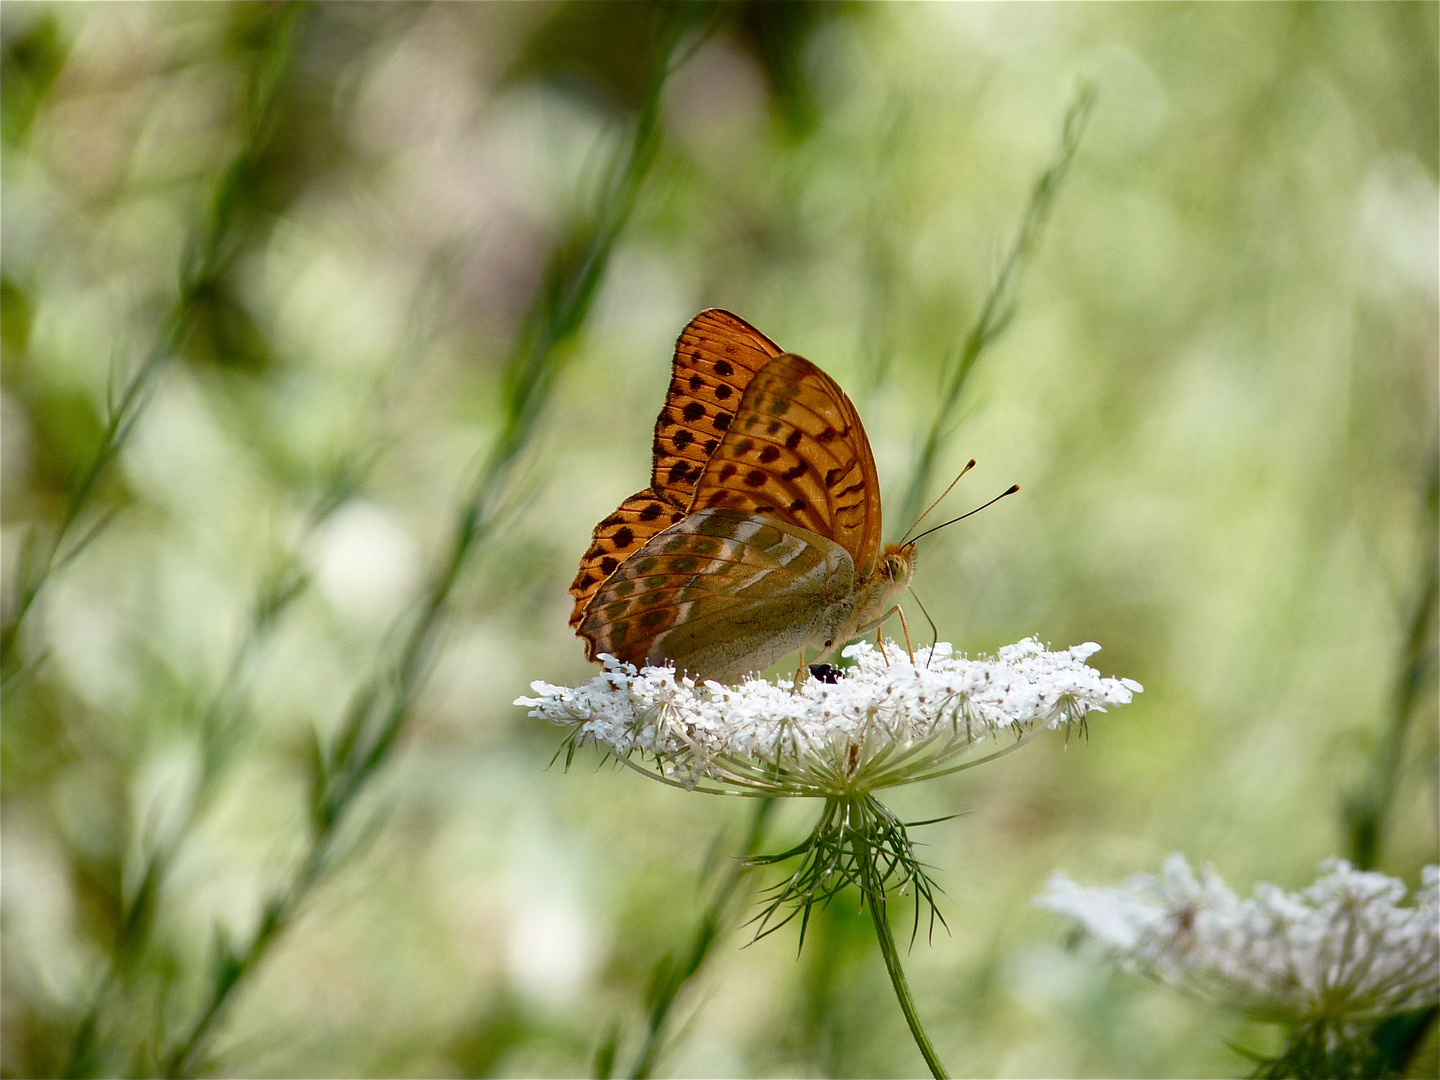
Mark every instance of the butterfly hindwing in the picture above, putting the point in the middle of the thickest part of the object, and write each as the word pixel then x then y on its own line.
pixel 796 451
pixel 720 594
pixel 716 356
pixel 615 539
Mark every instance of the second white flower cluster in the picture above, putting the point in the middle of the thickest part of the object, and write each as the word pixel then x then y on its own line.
pixel 1341 950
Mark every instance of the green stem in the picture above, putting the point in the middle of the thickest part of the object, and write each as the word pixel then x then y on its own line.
pixel 382 708
pixel 875 900
pixel 1366 812
pixel 205 258
pixel 998 310
pixel 669 977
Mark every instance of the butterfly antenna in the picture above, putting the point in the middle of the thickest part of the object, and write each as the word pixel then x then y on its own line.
pixel 936 528
pixel 933 628
pixel 938 501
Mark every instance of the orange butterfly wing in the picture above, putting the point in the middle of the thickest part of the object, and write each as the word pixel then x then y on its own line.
pixel 796 451
pixel 615 539
pixel 715 358
pixel 716 355
pixel 719 595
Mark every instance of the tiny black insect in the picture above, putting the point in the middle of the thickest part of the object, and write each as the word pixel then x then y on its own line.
pixel 826 673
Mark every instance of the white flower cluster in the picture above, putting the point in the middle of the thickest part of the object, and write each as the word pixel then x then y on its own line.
pixel 1342 950
pixel 885 721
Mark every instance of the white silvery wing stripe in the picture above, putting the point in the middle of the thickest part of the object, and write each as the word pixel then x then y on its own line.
pixel 733 624
pixel 722 594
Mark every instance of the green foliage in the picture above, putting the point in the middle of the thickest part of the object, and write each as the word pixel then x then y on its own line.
pixel 327 333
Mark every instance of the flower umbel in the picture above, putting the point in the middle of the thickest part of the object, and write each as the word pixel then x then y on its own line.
pixel 1339 952
pixel 887 721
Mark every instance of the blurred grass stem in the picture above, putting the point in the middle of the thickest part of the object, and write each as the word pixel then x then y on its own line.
pixel 1367 811
pixel 206 255
pixel 381 707
pixel 223 720
pixel 999 308
pixel 669 977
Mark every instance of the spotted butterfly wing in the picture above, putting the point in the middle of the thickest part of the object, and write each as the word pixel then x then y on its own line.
pixel 784 529
pixel 797 451
pixel 716 355
pixel 719 595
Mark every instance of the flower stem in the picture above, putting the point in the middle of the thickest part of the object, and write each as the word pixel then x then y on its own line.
pixel 875 901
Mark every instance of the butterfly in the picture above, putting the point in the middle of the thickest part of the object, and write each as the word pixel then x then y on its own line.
pixel 760 531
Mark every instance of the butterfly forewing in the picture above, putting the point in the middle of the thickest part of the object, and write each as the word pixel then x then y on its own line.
pixel 719 595
pixel 716 356
pixel 615 539
pixel 796 451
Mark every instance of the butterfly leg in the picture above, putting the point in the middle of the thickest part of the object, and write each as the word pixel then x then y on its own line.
pixel 880 630
pixel 800 674
pixel 909 647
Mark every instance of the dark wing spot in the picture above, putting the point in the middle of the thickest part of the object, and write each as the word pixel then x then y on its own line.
pixel 618 631
pixel 679 472
pixel 772 427
pixel 682 439
pixel 623 538
pixel 723 391
pixel 616 608
pixel 722 367
pixel 793 439
pixel 585 582
pixel 721 421
pixel 711 445
pixel 727 470
pixel 613 519
pixel 683 565
pixel 623 588
pixel 645 565
pixel 744 446
pixel 833 475
pixel 828 435
pixel 792 473
pixel 797 506
pixel 695 355
pixel 755 478
pixel 676 517
pixel 608 565
pixel 769 454
pixel 694 411
pixel 652 618
pixel 651 512
pixel 595 551
pixel 696 382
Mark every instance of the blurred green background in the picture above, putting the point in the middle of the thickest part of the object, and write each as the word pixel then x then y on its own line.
pixel 1218 394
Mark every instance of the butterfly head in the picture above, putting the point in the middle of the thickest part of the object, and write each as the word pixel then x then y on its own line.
pixel 898 564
